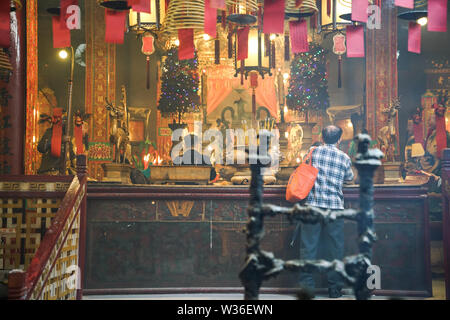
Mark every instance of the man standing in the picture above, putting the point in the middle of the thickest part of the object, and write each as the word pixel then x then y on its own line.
pixel 334 168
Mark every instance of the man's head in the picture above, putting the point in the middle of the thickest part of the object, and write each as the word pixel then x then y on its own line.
pixel 331 134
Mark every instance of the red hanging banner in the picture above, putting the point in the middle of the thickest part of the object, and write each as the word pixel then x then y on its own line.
pixel 141 5
pixel 405 3
pixel 5 24
pixel 61 35
pixel 328 7
pixel 210 19
pixel 299 36
pixel 218 4
pixel 186 50
pixel 355 41
pixel 64 4
pixel 115 26
pixel 273 16
pixel 414 37
pixel 298 3
pixel 359 10
pixel 437 15
pixel 56 128
pixel 242 35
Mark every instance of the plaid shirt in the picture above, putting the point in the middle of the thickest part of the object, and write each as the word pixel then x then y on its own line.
pixel 334 168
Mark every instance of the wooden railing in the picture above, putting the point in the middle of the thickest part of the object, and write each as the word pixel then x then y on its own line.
pixel 446 218
pixel 56 270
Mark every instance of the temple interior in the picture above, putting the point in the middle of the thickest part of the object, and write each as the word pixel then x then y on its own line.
pixel 128 131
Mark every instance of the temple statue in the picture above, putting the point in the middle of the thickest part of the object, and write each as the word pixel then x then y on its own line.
pixel 52 146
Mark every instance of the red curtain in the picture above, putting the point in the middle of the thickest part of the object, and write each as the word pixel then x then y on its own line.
pixel 220 86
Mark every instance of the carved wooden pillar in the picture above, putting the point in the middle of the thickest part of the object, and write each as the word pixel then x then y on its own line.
pixel 100 84
pixel 12 99
pixel 381 70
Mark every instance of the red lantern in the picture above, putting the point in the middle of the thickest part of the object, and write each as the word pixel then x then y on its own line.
pixel 148 48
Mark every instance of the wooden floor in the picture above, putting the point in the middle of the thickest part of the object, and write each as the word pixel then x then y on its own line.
pixel 438 294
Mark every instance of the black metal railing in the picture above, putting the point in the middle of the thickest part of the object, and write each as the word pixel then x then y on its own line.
pixel 261 265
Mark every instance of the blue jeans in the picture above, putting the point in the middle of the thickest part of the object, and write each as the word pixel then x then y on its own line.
pixel 333 237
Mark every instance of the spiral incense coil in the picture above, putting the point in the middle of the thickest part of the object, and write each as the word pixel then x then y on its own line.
pixel 306 6
pixel 183 14
pixel 243 6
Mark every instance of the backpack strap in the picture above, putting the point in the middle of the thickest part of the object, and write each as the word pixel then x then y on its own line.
pixel 309 154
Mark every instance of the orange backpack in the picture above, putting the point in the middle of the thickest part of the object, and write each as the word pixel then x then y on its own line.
pixel 301 181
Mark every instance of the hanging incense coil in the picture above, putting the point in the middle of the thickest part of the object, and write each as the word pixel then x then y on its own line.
pixel 183 14
pixel 4 60
pixel 307 6
pixel 243 6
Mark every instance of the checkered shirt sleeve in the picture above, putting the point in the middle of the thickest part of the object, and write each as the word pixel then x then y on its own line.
pixel 335 167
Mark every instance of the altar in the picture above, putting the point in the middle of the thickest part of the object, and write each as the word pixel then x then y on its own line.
pixel 168 239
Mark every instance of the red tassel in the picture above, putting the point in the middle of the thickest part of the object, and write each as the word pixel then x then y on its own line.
pixel 217 51
pixel 266 45
pixel 287 49
pixel 148 73
pixel 273 57
pixel 242 72
pixel 339 71
pixel 224 19
pixel 230 45
pixel 329 7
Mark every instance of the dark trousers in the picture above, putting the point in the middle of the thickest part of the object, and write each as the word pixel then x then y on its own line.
pixel 333 237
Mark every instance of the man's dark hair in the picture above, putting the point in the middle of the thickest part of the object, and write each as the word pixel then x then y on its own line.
pixel 331 134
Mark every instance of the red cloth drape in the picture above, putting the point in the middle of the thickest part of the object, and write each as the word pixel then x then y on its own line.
pixel 414 37
pixel 437 15
pixel 115 26
pixel 359 10
pixel 61 34
pixel 210 19
pixel 186 50
pixel 242 36
pixel 273 16
pixel 219 87
pixel 405 3
pixel 299 36
pixel 5 24
pixel 141 5
pixel 355 41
